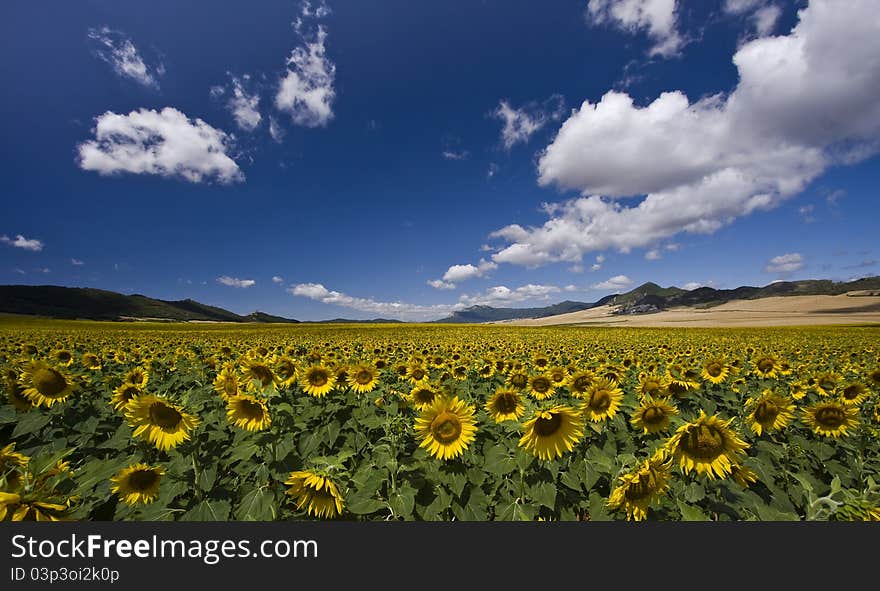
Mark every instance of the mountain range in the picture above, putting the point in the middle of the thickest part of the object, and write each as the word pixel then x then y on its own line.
pixel 97 304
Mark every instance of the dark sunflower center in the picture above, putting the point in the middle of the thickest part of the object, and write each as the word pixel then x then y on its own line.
pixel 827 384
pixel 136 378
pixel 262 351
pixel 714 369
pixel 250 409
pixel 318 377
pixel 557 377
pixel 677 389
pixel 581 383
pixel 542 362
pixel 129 392
pixel 600 401
pixel 142 480
pixel 418 374
pixel 852 392
pixel 287 370
pixel 766 365
pixel 49 382
pixel 90 360
pixel 446 427
pixel 547 427
pixel 230 386
pixel 363 377
pixel 262 373
pixel 704 442
pixel 830 417
pixel 651 386
pixel 766 412
pixel 424 396
pixel 637 491
pixel 164 416
pixel 63 356
pixel 541 385
pixel 505 403
pixel 653 415
pixel 519 380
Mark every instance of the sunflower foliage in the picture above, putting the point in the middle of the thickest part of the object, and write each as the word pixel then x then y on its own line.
pixel 446 423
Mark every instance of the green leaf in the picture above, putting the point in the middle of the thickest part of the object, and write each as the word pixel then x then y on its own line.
pixel 691 512
pixel 30 422
pixel 206 478
pixel 598 508
pixel 257 505
pixel 365 506
pixel 544 493
pixel 694 492
pixel 571 479
pixel 403 501
pixel 768 513
pixel 208 511
pixel 7 414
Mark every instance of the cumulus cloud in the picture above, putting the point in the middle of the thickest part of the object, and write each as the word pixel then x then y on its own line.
pixel 243 104
pixel 20 241
pixel 804 102
pixel 653 255
pixel 117 49
pixel 763 14
pixel 520 124
pixel 440 284
pixel 277 279
pixel 616 282
pixel 654 17
pixel 76 262
pixel 401 310
pixel 503 295
pixel 785 264
pixel 455 155
pixel 166 143
pixel 306 90
pixel 235 282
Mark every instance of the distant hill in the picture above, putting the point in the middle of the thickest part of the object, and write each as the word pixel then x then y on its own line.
pixel 268 318
pixel 98 304
pixel 650 297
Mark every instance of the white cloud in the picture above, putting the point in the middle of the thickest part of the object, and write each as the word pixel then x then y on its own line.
pixel 834 196
pixel 653 255
pixel 520 124
pixel 804 102
pixel 235 282
pixel 20 271
pixel 765 19
pixel 453 155
pixel 595 267
pixel 164 142
pixel 741 6
pixel 492 171
pixel 503 295
pixel 20 241
pixel 244 105
pixel 275 130
pixel 571 288
pixel 115 48
pixel 673 247
pixel 440 284
pixel 306 90
pixel 277 279
pixel 401 310
pixel 76 262
pixel 806 213
pixel 44 270
pixel 785 264
pixel 655 17
pixel 692 285
pixel 616 282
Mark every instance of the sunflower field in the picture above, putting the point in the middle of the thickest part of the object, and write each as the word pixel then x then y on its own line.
pixel 113 421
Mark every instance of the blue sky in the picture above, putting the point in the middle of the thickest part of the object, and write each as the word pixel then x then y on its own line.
pixel 405 159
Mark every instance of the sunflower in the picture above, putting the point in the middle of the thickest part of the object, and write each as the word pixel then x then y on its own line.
pixel 552 432
pixel 423 396
pixel 579 382
pixel 15 396
pixel 137 484
pixel 30 510
pixel 518 379
pixel 853 393
pixel 652 415
pixel 505 405
pixel 159 421
pixel 363 378
pixel 248 412
pixel 137 376
pixel 416 373
pixel 91 361
pixel 652 385
pixel 258 375
pixel 317 380
pixel 226 383
pixel 679 381
pixel 826 383
pixel 447 427
pixel 315 493
pixel 874 378
pixel 541 387
pixel 287 371
pixel 707 445
pixel 769 412
pixel 45 385
pixel 743 476
pixel 831 418
pixel 123 395
pixel 558 376
pixel 715 370
pixel 602 400
pixel 62 357
pixel 642 487
pixel 12 465
pixel 766 366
